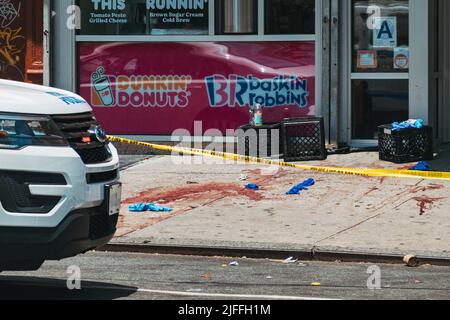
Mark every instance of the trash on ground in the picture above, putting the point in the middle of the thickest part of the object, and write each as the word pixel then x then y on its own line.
pixel 252 186
pixel 192 182
pixel 290 260
pixel 410 124
pixel 316 284
pixel 411 261
pixel 143 207
pixel 301 187
pixel 243 177
pixel 301 264
pixel 234 264
pixel 207 277
pixel 421 166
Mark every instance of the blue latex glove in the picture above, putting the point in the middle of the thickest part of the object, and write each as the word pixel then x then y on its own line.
pixel 138 207
pixel 143 207
pixel 153 207
pixel 301 187
pixel 410 124
pixel 252 187
pixel 421 166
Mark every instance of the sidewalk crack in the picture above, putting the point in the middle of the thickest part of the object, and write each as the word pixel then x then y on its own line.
pixel 381 206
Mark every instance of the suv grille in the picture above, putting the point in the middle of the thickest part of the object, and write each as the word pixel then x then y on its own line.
pixel 15 193
pixel 101 177
pixel 75 128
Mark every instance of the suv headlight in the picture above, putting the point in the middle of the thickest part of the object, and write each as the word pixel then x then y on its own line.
pixel 19 131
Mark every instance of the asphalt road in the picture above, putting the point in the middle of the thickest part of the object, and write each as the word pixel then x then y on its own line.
pixel 108 276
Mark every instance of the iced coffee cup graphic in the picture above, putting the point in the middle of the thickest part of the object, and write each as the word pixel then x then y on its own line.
pixel 102 86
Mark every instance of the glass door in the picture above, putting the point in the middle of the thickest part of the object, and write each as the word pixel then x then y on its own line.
pixel 380 53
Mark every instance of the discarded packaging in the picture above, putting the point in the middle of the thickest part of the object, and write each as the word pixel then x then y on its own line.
pixel 411 261
pixel 207 277
pixel 243 177
pixel 301 264
pixel 256 115
pixel 290 260
pixel 234 264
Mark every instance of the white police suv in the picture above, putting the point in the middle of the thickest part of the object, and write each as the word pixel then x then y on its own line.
pixel 59 189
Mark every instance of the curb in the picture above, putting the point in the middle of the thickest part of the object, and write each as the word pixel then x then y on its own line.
pixel 313 255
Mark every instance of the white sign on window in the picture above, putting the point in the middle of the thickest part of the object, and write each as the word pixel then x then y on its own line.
pixel 401 58
pixel 385 32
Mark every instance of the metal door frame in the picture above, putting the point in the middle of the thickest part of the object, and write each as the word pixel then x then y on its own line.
pixel 440 69
pixel 418 83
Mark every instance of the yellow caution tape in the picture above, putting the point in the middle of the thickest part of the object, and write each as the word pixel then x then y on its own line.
pixel 364 172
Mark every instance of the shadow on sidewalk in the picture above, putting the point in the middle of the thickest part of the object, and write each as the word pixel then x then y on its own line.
pixel 442 160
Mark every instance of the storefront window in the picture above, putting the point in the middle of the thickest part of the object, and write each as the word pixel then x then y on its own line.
pixel 212 72
pixel 380 36
pixel 236 17
pixel 289 17
pixel 377 102
pixel 144 17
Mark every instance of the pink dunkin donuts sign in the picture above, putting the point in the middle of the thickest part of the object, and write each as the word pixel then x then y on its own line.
pixel 157 88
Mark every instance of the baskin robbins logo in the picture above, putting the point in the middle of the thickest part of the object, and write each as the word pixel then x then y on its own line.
pixel 140 90
pixel 248 91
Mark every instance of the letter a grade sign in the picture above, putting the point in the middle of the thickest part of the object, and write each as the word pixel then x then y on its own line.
pixel 385 32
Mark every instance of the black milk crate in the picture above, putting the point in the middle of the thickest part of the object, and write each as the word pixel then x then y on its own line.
pixel 405 146
pixel 304 139
pixel 262 141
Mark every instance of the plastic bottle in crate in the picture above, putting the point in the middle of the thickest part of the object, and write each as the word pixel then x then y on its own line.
pixel 258 116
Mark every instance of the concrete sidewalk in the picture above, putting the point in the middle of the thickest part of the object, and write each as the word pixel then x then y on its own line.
pixel 340 213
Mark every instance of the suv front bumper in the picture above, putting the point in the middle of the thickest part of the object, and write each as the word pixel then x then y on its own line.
pixel 75 194
pixel 81 231
pixel 76 223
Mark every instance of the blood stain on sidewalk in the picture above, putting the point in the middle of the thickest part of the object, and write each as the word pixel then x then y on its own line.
pixel 195 193
pixel 430 187
pixel 426 203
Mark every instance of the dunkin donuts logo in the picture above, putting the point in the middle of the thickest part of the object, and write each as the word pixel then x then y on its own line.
pixel 139 91
pixel 248 91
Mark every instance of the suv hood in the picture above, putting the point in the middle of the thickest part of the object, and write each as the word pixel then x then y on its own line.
pixel 19 97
